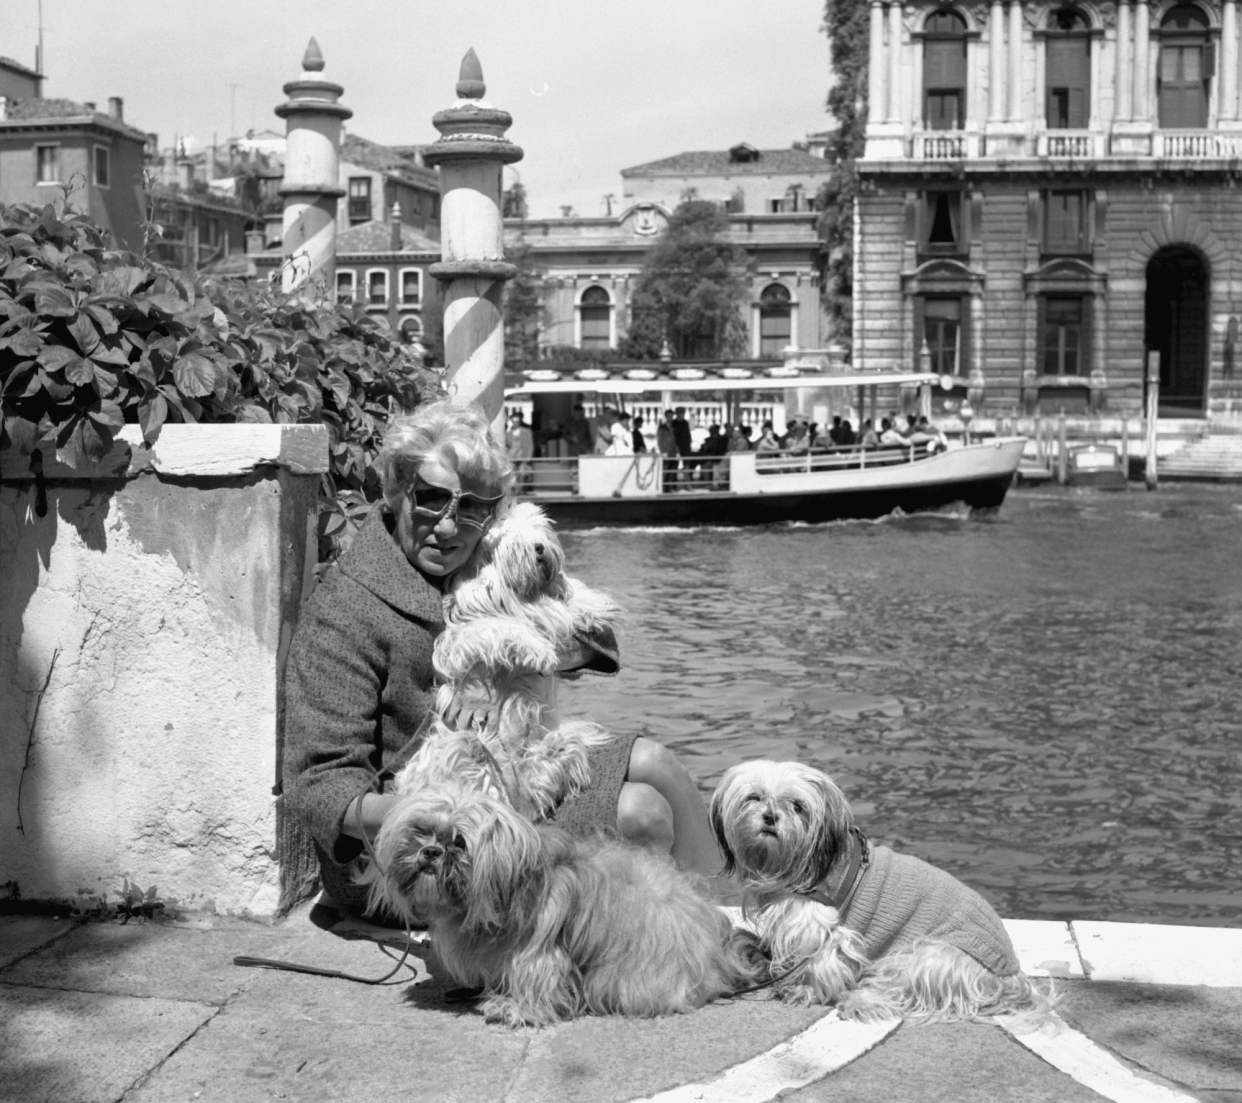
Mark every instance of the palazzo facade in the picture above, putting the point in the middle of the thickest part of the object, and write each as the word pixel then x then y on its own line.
pixel 1049 195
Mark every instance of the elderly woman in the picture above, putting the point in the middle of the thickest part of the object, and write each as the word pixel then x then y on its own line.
pixel 359 681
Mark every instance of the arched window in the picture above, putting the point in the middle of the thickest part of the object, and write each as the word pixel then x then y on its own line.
pixel 1068 70
pixel 1185 68
pixel 944 71
pixel 775 320
pixel 411 329
pixel 595 319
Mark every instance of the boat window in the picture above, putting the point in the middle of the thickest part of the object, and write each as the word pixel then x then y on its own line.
pixel 775 320
pixel 595 314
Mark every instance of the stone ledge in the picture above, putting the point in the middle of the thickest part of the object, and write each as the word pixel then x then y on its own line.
pixel 211 451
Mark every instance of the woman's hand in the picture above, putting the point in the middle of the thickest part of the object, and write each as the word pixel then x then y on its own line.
pixel 467 712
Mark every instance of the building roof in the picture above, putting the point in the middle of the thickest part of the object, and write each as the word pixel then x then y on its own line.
pixel 376 237
pixel 18 67
pixel 400 161
pixel 722 162
pixel 32 110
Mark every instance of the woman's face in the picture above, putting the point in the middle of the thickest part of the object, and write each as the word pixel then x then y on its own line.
pixel 437 547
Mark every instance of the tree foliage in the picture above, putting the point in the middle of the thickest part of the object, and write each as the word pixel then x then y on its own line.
pixel 523 312
pixel 92 339
pixel 846 23
pixel 690 290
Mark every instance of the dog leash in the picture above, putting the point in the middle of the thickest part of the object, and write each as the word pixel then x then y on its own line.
pixel 770 981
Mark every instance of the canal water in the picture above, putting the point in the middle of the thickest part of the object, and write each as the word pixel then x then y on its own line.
pixel 1046 700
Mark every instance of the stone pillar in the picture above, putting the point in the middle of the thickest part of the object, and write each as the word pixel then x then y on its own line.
pixel 471 152
pixel 877 96
pixel 1142 61
pixel 1227 110
pixel 996 63
pixel 896 71
pixel 1015 61
pixel 311 186
pixel 1125 109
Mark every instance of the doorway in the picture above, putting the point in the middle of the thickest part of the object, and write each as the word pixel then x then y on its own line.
pixel 1177 327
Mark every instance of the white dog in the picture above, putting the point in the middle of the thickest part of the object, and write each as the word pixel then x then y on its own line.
pixel 878 934
pixel 553 927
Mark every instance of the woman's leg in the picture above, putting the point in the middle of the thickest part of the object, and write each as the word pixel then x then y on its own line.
pixel 655 772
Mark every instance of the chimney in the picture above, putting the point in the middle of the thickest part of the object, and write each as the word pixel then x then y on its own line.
pixel 255 240
pixel 116 108
pixel 395 241
pixel 89 105
pixel 185 172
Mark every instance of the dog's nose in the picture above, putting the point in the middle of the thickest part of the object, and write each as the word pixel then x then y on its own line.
pixel 429 854
pixel 769 818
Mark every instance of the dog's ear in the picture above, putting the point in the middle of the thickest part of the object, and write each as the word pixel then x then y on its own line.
pixel 502 850
pixel 832 823
pixel 716 815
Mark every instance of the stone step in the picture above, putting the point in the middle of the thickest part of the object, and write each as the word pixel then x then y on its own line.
pixel 1215 456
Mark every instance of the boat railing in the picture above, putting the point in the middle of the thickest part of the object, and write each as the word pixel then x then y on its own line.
pixel 546 475
pixel 836 459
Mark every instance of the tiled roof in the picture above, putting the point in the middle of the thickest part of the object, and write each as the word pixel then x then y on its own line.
pixel 18 67
pixel 36 110
pixel 399 160
pixel 716 162
pixel 376 237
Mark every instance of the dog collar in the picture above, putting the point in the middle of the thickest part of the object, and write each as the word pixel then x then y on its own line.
pixel 838 888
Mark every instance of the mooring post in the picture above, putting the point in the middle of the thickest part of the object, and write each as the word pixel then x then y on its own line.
pixel 471 152
pixel 311 185
pixel 1153 412
pixel 1125 444
pixel 1062 450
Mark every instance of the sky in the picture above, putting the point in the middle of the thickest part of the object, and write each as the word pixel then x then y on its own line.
pixel 593 88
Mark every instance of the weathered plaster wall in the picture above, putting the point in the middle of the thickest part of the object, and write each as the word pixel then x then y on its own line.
pixel 152 605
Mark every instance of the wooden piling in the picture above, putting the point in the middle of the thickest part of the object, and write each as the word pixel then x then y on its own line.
pixel 1153 414
pixel 1062 451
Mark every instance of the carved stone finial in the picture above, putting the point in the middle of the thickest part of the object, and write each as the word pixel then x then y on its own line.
pixel 312 60
pixel 470 84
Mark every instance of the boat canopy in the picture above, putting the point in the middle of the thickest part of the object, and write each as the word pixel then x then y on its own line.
pixel 753 383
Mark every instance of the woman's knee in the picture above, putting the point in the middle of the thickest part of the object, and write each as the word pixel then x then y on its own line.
pixel 644 816
pixel 653 764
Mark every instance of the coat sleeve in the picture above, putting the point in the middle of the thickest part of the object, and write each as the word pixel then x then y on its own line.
pixel 333 687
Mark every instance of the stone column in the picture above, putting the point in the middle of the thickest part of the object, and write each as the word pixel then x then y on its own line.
pixel 1015 60
pixel 896 71
pixel 311 185
pixel 877 95
pixel 471 152
pixel 1227 110
pixel 996 63
pixel 1125 108
pixel 1142 62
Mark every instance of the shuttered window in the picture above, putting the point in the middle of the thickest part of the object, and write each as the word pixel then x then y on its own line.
pixel 942 332
pixel 1186 63
pixel 1063 335
pixel 944 71
pixel 1065 222
pixel 596 311
pixel 1069 81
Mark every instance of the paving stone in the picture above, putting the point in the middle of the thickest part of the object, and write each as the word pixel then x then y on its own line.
pixel 1045 948
pixel 85 1047
pixel 22 934
pixel 949 1063
pixel 1191 1035
pixel 1161 954
pixel 616 1059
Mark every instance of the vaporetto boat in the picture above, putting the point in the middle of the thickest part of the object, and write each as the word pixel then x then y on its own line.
pixel 756 488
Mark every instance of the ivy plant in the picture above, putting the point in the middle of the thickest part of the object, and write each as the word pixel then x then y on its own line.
pixel 92 338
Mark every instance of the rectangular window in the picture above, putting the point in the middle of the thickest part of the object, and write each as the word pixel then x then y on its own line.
pixel 1065 222
pixel 1183 87
pixel 596 327
pixel 1063 336
pixel 411 286
pixel 346 281
pixel 942 330
pixel 213 232
pixel 1069 82
pixel 359 199
pixel 942 222
pixel 103 167
pixel 47 164
pixel 377 288
pixel 944 82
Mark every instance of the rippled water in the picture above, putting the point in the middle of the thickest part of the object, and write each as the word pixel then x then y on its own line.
pixel 1044 701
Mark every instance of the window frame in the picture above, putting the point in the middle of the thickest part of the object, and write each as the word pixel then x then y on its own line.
pixel 773 308
pixel 1083 245
pixel 1083 349
pixel 353 202
pixel 1199 38
pixel 959 90
pixel 371 301
pixel 96 150
pixel 960 246
pixel 961 337
pixel 404 321
pixel 595 305
pixel 55 182
pixel 353 284
pixel 417 300
pixel 1081 34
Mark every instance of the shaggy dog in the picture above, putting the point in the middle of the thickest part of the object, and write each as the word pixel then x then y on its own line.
pixel 513 620
pixel 876 933
pixel 550 926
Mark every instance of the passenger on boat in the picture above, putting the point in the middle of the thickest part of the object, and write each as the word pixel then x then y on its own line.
pixel 869 438
pixel 603 430
pixel 798 439
pixel 768 441
pixel 639 442
pixel 926 433
pixel 578 435
pixel 681 433
pixel 520 444
pixel 848 439
pixel 890 436
pixel 622 437
pixel 834 431
pixel 359 684
pixel 739 440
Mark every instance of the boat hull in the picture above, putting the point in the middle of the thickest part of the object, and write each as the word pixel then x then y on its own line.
pixel 979 482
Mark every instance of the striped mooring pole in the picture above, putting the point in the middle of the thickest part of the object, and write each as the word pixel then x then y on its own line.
pixel 311 186
pixel 471 152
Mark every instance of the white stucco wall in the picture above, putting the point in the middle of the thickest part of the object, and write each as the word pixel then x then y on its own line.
pixel 152 608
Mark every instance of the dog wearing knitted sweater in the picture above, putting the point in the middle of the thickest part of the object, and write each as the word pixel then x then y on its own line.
pixel 875 933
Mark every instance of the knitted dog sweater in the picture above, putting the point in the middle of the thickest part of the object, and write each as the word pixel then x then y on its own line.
pixel 902 898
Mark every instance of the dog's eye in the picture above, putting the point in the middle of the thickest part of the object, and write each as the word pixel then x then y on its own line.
pixel 750 798
pixel 799 808
pixel 459 842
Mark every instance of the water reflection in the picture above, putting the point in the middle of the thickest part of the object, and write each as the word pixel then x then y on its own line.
pixel 1044 701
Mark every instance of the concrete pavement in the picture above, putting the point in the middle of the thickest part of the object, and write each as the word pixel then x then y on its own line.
pixel 98 1012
